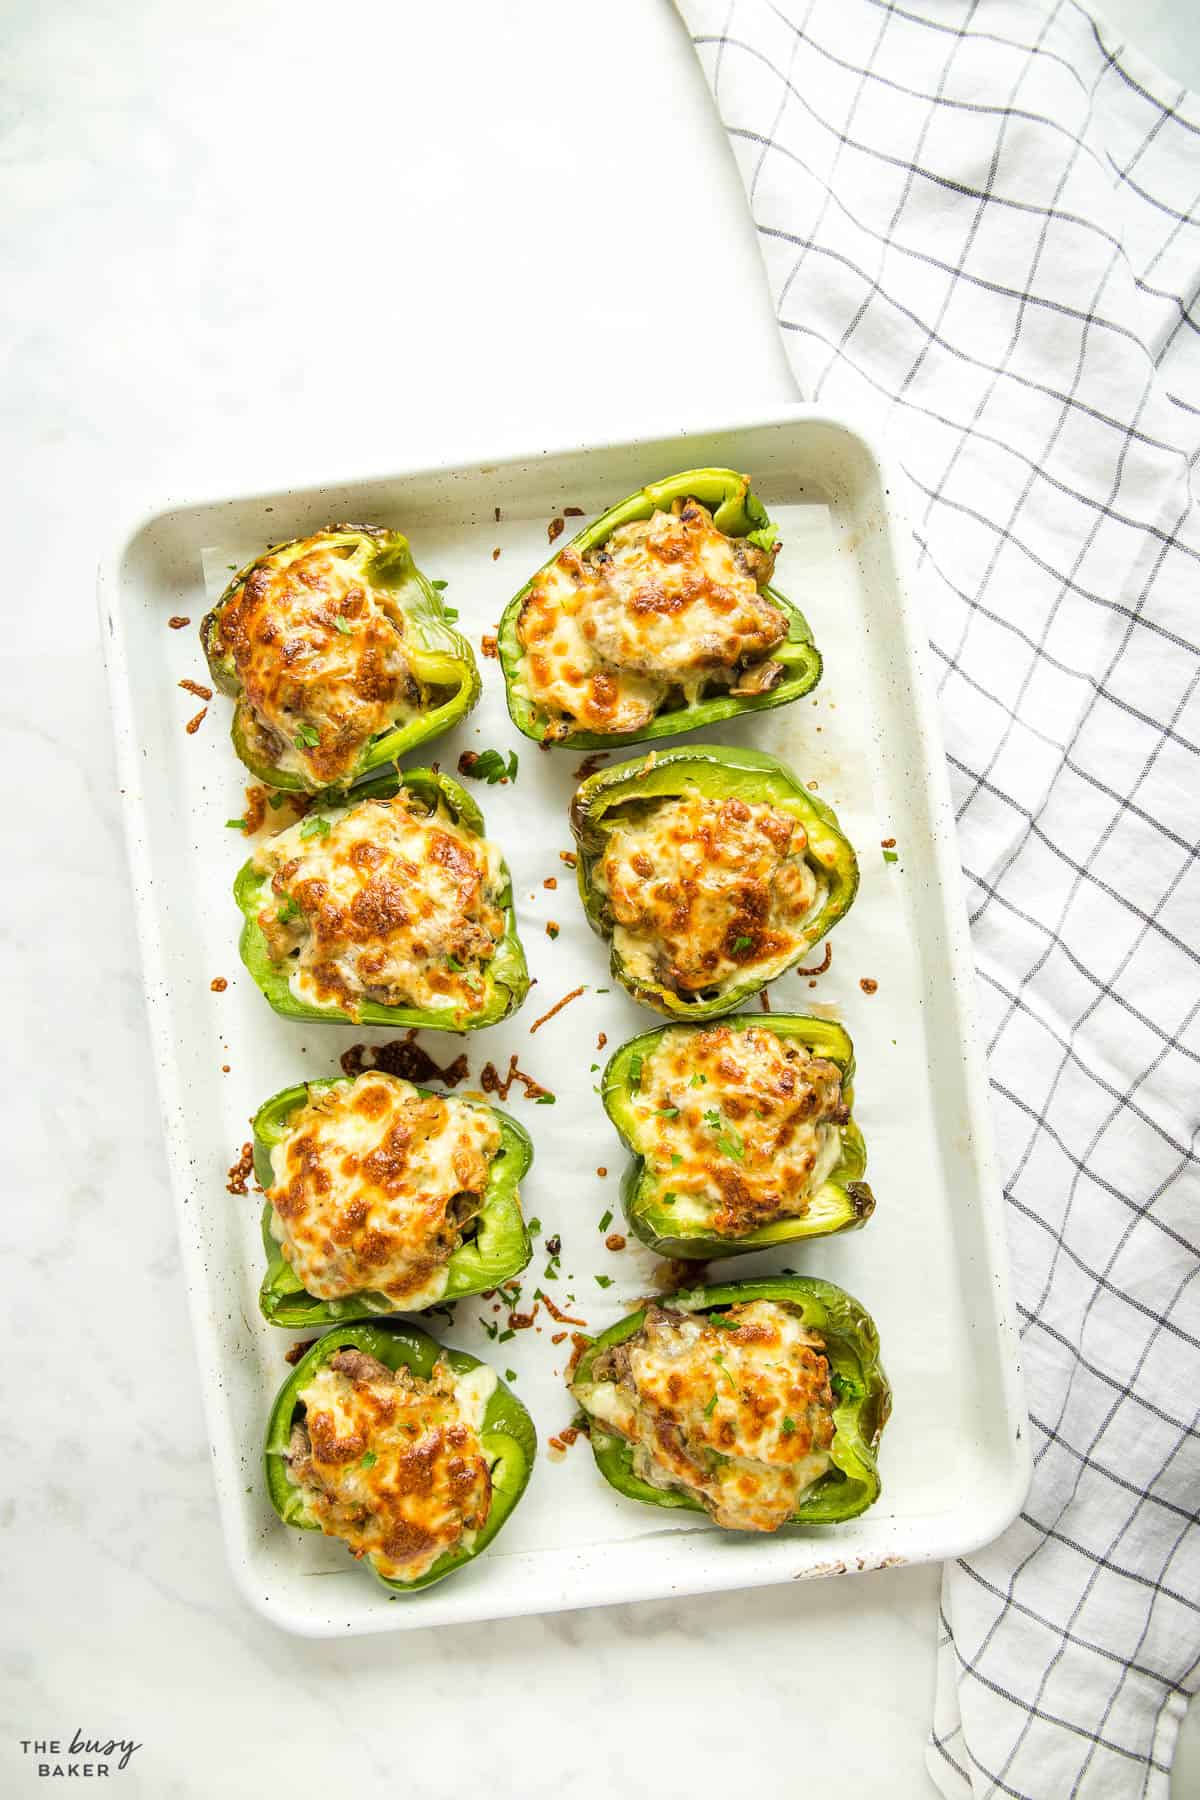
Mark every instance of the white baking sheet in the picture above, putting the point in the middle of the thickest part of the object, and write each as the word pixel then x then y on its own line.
pixel 928 1265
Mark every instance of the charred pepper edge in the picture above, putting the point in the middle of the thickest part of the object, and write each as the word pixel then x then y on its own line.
pixel 652 1223
pixel 738 512
pixel 852 1350
pixel 725 770
pixel 294 1309
pixel 505 990
pixel 508 1434
pixel 447 654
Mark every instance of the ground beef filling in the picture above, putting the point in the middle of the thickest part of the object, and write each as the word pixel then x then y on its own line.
pixel 703 892
pixel 391 904
pixel 321 662
pixel 745 1122
pixel 374 1184
pixel 386 1462
pixel 740 1415
pixel 666 608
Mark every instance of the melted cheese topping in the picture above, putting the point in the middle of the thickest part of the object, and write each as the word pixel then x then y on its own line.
pixel 321 660
pixel 392 1464
pixel 741 1127
pixel 392 904
pixel 705 893
pixel 372 1186
pixel 741 1417
pixel 667 607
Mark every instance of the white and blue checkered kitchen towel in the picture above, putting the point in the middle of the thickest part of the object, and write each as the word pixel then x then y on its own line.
pixel 981 228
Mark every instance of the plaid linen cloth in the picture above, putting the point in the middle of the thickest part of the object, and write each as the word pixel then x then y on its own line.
pixel 979 224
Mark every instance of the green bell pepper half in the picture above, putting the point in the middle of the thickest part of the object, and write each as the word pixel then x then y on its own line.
pixel 497 1249
pixel 508 1436
pixel 738 513
pixel 439 657
pixel 843 1202
pixel 863 1397
pixel 506 979
pixel 720 772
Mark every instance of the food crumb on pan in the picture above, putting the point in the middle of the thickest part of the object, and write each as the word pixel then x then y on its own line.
pixel 237 1181
pixel 559 1004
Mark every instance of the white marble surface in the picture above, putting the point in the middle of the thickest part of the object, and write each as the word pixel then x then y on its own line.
pixel 453 198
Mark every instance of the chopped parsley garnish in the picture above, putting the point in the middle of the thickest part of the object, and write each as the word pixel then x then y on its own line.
pixel 741 943
pixel 450 614
pixel 490 766
pixel 307 737
pixel 369 1460
pixel 314 826
pixel 789 1425
pixel 605 1220
pixel 491 1328
pixel 890 856
pixel 698 1080
pixel 669 1199
pixel 235 824
pixel 288 911
pixel 635 1069
pixel 441 586
pixel 722 1321
pixel 845 1387
pixel 510 1374
pixel 275 801
pixel 720 1362
pixel 505 1335
pixel 535 1225
pixel 604 1281
pixel 545 1100
pixel 728 1141
pixel 711 1408
pixel 452 962
pixel 667 1112
pixel 676 1159
pixel 342 625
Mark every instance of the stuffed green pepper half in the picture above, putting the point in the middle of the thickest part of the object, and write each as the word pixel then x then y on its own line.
pixel 389 907
pixel 741 1133
pixel 760 1403
pixel 710 870
pixel 414 1455
pixel 657 618
pixel 340 656
pixel 382 1197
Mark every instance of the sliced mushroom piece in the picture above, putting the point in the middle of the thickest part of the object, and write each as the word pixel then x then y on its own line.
pixel 759 679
